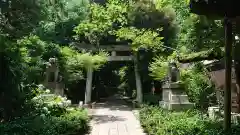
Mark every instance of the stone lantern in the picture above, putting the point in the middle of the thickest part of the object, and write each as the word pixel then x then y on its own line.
pixel 174 96
pixel 53 80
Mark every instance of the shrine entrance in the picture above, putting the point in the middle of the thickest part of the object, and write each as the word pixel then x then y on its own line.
pixel 115 77
pixel 118 53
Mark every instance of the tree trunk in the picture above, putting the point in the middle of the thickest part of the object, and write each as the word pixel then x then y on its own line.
pixel 138 80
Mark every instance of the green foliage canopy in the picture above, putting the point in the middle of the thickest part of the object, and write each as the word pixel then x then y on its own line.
pixel 76 62
pixel 160 65
pixel 159 68
pixel 101 20
pixel 60 18
pixel 112 19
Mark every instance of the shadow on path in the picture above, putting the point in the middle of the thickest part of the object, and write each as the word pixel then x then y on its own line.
pixel 113 116
pixel 107 118
pixel 114 103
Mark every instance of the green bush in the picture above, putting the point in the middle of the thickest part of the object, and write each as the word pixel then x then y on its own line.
pixel 71 123
pixel 157 121
pixel 151 99
pixel 47 114
pixel 199 87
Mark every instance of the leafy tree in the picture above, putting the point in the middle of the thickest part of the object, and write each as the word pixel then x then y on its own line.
pixel 140 38
pixel 11 68
pixel 113 20
pixel 36 53
pixel 73 64
pixel 18 18
pixel 196 33
pixel 76 63
pixel 198 86
pixel 148 15
pixel 102 21
pixel 159 67
pixel 60 19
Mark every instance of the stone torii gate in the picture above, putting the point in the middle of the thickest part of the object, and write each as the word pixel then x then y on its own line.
pixel 116 51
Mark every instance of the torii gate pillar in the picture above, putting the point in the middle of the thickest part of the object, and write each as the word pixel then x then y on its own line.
pixel 88 92
pixel 138 81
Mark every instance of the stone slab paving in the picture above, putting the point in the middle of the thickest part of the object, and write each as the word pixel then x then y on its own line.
pixel 114 118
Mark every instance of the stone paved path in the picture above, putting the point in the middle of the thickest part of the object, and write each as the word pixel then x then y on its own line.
pixel 114 118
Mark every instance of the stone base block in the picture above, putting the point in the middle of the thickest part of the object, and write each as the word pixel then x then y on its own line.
pixel 176 106
pixel 213 112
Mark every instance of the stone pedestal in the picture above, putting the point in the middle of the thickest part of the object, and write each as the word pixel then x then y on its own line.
pixel 174 97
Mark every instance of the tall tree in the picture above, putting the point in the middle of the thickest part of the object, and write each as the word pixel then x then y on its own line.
pixel 18 18
pixel 61 17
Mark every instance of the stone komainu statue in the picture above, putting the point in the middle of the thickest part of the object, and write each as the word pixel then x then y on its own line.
pixel 173 72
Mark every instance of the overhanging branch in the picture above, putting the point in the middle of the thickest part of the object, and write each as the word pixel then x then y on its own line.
pixel 212 54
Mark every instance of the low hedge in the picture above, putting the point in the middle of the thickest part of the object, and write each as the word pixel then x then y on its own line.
pixel 157 121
